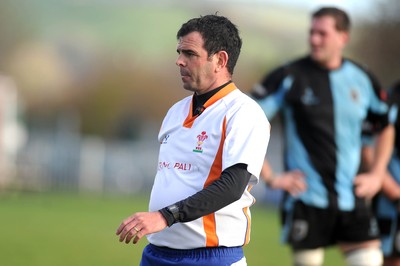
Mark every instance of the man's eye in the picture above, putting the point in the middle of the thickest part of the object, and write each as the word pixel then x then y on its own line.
pixel 189 53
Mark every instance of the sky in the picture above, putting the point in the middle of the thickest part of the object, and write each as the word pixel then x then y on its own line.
pixel 357 8
pixel 354 6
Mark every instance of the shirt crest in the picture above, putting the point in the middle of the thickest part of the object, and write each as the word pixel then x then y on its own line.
pixel 200 140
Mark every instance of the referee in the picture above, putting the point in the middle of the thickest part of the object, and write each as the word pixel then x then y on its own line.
pixel 212 147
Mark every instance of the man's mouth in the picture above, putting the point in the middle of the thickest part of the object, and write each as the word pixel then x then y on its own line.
pixel 184 74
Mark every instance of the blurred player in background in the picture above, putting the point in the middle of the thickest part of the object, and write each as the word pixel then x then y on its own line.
pixel 212 147
pixel 387 202
pixel 323 99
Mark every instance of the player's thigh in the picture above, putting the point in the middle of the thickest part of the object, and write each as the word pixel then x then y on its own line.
pixel 366 256
pixel 357 226
pixel 307 227
pixel 391 262
pixel 390 236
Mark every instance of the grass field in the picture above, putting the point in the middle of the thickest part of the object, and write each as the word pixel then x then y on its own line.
pixel 42 229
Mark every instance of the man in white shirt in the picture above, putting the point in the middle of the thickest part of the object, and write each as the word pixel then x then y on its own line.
pixel 212 147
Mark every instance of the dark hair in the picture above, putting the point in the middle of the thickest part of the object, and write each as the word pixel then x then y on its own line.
pixel 341 18
pixel 219 34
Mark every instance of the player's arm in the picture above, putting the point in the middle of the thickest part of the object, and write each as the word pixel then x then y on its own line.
pixel 269 93
pixel 384 149
pixel 368 184
pixel 391 188
pixel 222 192
pixel 367 157
pixel 293 182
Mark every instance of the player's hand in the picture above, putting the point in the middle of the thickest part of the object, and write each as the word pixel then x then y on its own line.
pixel 140 224
pixel 293 182
pixel 367 185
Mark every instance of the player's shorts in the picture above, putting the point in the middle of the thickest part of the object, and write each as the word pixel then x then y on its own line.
pixel 218 256
pixel 390 236
pixel 306 227
pixel 387 213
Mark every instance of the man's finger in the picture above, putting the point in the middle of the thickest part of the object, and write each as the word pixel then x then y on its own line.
pixel 132 233
pixel 138 236
pixel 124 224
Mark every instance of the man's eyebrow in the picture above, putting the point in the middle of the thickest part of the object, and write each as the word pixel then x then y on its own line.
pixel 185 51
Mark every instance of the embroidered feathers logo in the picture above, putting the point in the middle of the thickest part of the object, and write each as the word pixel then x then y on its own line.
pixel 200 140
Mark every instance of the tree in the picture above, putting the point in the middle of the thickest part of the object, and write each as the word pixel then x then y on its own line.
pixel 379 42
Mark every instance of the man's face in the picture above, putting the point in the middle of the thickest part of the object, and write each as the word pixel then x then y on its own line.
pixel 197 69
pixel 326 42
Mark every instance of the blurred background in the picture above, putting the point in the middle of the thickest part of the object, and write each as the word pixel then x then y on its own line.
pixel 84 85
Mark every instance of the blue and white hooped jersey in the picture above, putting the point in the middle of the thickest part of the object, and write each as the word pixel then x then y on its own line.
pixel 323 112
pixel 194 150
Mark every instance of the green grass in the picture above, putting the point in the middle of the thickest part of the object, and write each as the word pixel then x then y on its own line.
pixel 71 229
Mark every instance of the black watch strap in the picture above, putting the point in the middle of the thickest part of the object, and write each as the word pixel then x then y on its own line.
pixel 174 209
pixel 171 214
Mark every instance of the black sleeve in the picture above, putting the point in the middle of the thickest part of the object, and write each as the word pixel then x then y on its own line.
pixel 394 100
pixel 269 84
pixel 374 123
pixel 222 192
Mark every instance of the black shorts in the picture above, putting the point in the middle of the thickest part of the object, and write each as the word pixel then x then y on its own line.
pixel 390 236
pixel 306 227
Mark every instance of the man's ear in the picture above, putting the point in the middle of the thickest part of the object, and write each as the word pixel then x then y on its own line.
pixel 222 59
pixel 345 37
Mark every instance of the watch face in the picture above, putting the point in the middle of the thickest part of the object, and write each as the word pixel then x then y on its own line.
pixel 174 210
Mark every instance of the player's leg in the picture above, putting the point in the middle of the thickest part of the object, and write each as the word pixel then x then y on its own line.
pixel 363 254
pixel 391 262
pixel 387 213
pixel 306 234
pixel 390 238
pixel 358 236
pixel 308 257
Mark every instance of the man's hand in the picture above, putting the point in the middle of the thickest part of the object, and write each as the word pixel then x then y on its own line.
pixel 140 224
pixel 367 185
pixel 292 182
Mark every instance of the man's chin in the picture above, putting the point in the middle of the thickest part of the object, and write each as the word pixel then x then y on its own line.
pixel 317 57
pixel 187 87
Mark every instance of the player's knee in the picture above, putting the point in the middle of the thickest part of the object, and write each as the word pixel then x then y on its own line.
pixel 308 257
pixel 364 257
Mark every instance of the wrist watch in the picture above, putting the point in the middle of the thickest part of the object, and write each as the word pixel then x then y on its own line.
pixel 174 210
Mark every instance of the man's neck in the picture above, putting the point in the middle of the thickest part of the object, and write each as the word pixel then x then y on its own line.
pixel 330 65
pixel 334 64
pixel 199 100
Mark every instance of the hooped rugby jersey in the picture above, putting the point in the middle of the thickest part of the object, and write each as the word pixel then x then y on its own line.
pixel 194 150
pixel 322 113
